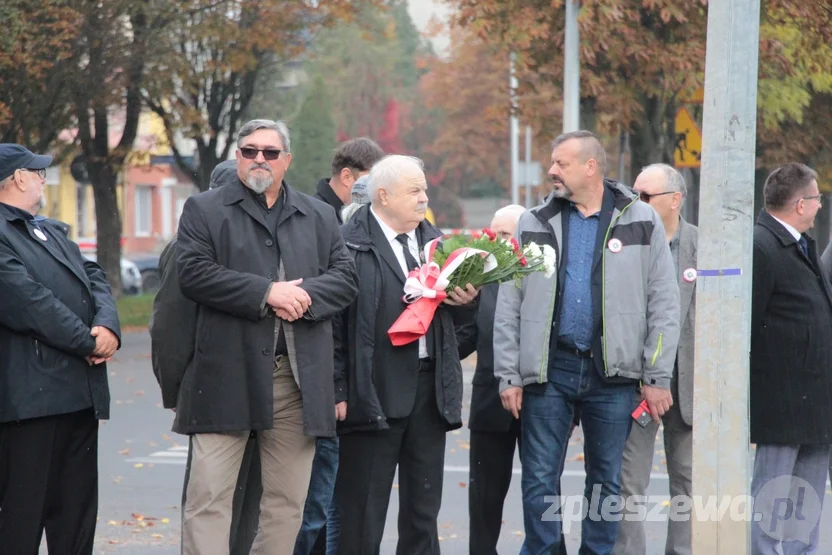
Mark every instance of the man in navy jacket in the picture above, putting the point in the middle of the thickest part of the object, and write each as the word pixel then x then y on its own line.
pixel 58 328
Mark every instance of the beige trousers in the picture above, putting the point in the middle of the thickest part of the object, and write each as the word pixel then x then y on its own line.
pixel 286 457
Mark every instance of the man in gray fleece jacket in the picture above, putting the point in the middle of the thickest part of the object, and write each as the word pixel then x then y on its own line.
pixel 585 338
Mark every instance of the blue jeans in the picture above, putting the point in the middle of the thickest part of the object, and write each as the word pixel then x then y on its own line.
pixel 547 414
pixel 333 528
pixel 319 497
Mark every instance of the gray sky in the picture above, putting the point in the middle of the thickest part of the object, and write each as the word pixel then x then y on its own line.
pixel 421 12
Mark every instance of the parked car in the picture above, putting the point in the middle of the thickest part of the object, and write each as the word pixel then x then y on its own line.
pixel 131 277
pixel 148 265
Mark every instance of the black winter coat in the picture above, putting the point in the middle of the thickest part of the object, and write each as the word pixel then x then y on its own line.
pixel 487 412
pixel 357 375
pixel 791 341
pixel 227 258
pixel 50 299
pixel 172 329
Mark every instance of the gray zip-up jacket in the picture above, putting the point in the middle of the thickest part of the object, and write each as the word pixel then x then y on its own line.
pixel 639 298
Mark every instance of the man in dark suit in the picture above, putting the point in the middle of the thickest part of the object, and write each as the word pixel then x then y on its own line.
pixel 791 366
pixel 173 340
pixel 58 328
pixel 663 188
pixel 268 268
pixel 402 399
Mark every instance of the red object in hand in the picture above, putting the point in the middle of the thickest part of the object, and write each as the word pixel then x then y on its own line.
pixel 642 414
pixel 414 321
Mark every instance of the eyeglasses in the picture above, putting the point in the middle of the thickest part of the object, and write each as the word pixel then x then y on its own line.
pixel 41 173
pixel 818 198
pixel 645 197
pixel 250 153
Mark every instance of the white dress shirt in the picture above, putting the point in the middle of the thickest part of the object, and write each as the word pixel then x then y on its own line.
pixel 398 250
pixel 795 233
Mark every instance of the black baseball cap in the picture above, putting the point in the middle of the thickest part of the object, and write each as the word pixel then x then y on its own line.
pixel 15 157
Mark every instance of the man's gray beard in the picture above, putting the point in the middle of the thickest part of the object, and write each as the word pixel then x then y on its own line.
pixel 259 184
pixel 563 192
pixel 41 204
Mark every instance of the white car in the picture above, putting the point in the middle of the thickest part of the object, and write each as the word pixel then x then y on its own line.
pixel 131 278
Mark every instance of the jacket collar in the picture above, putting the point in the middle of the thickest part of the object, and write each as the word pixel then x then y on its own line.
pixel 13 213
pixel 237 193
pixel 326 194
pixel 767 221
pixel 553 206
pixel 356 231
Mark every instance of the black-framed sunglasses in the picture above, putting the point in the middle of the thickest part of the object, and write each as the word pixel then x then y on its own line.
pixel 41 173
pixel 645 197
pixel 250 153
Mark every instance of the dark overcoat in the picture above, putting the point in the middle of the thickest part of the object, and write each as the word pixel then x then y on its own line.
pixel 227 259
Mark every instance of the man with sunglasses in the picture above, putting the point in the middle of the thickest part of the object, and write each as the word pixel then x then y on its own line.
pixel 663 187
pixel 268 269
pixel 58 328
pixel 790 367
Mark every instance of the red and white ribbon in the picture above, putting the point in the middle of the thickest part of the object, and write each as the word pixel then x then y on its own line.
pixel 430 281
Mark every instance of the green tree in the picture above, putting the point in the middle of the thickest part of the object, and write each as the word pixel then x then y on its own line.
pixel 313 139
pixel 36 104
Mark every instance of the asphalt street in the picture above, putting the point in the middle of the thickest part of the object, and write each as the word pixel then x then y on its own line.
pixel 142 465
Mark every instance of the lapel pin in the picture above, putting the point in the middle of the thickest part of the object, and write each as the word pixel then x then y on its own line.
pixel 689 275
pixel 615 245
pixel 40 235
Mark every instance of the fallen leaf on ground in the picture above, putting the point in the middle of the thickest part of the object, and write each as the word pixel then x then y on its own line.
pixel 124 452
pixel 577 458
pixel 462 484
pixel 138 465
pixel 165 520
pixel 158 536
pixel 112 523
pixel 166 437
pixel 138 393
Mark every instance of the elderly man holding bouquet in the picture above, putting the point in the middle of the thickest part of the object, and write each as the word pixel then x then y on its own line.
pixel 401 399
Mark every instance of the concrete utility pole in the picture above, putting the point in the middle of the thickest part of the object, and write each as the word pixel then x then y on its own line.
pixel 528 177
pixel 723 297
pixel 571 70
pixel 514 129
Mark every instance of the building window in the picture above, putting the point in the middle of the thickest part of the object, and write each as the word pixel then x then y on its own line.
pixel 144 210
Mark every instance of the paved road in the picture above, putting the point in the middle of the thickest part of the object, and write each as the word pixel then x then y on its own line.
pixel 142 465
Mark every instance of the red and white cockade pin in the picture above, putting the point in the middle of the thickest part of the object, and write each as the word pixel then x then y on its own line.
pixel 615 245
pixel 689 275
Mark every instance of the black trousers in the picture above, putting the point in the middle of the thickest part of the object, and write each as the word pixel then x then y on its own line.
pixel 49 481
pixel 367 466
pixel 491 462
pixel 245 510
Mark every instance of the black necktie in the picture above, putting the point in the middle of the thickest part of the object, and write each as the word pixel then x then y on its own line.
pixel 804 245
pixel 408 257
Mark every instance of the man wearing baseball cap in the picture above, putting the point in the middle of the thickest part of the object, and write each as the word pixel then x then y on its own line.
pixel 58 328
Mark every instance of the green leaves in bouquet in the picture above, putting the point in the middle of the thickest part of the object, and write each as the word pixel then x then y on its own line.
pixel 509 265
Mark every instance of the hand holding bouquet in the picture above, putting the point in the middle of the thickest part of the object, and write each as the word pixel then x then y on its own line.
pixel 459 260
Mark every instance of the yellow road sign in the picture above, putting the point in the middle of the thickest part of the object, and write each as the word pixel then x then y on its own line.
pixel 687 152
